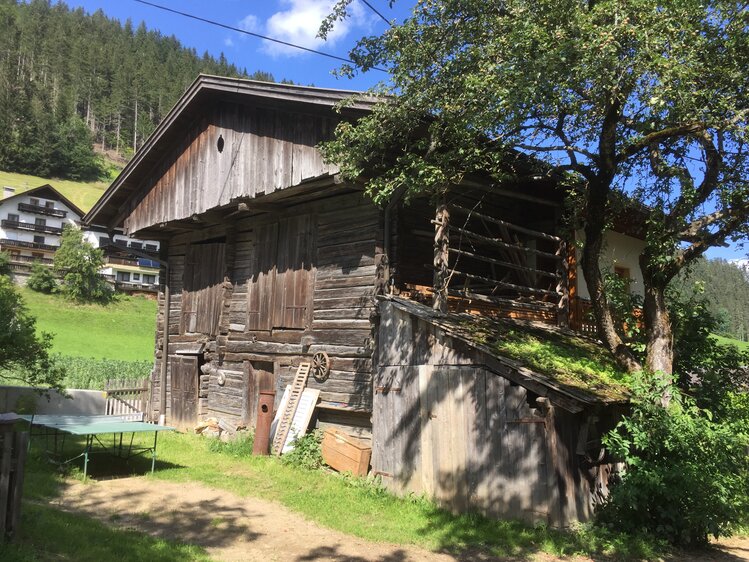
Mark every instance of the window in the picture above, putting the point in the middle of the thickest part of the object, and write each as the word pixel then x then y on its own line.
pixel 149 279
pixel 38 239
pixel 104 241
pixel 624 274
pixel 12 217
pixel 37 256
pixel 34 201
pixel 49 204
pixel 136 276
pixel 123 276
pixel 151 247
pixel 40 222
pixel 136 245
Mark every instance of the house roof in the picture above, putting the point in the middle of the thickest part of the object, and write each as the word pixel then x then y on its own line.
pixel 203 90
pixel 546 359
pixel 48 192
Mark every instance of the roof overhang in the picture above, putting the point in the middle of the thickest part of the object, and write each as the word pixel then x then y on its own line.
pixel 203 91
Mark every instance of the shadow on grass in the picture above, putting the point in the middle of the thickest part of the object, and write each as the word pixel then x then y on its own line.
pixel 49 534
pixel 44 474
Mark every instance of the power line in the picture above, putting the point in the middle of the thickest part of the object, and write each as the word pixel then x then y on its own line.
pixel 238 30
pixel 383 18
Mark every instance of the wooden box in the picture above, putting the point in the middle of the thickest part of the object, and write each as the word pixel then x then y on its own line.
pixel 345 453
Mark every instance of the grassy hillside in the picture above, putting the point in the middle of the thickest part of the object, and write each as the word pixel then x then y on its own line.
pixel 742 345
pixel 82 194
pixel 122 330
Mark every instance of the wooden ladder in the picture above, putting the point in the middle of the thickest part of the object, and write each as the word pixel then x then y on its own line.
pixel 284 424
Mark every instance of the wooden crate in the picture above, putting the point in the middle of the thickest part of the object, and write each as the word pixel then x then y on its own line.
pixel 345 453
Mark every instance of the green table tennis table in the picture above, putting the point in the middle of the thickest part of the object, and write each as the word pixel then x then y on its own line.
pixel 92 428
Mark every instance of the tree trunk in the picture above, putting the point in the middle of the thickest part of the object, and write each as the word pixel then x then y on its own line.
pixel 594 233
pixel 660 341
pixel 441 255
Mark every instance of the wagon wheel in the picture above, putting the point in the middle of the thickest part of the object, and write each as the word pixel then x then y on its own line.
pixel 320 366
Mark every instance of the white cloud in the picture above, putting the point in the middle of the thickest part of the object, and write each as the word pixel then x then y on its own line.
pixel 249 23
pixel 228 42
pixel 300 22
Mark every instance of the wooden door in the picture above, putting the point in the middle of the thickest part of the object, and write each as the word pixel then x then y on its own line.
pixel 184 372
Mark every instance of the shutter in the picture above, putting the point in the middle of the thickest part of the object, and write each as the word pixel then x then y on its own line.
pixel 203 288
pixel 261 284
pixel 294 273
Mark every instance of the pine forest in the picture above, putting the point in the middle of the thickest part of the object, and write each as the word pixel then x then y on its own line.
pixel 77 86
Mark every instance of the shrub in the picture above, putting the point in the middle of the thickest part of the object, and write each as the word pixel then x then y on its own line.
pixel 41 280
pixel 686 474
pixel 307 452
pixel 4 263
pixel 24 354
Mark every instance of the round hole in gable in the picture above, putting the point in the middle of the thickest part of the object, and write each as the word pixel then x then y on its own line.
pixel 220 143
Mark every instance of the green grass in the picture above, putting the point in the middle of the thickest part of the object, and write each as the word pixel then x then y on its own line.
pixel 83 194
pixel 353 506
pixel 742 345
pixel 569 360
pixel 121 330
pixel 50 534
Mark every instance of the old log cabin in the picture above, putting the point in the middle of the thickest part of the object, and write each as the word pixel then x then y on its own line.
pixel 269 258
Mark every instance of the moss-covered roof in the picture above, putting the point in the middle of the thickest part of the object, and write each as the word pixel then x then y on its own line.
pixel 557 358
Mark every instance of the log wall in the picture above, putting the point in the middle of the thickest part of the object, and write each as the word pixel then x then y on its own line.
pixel 296 282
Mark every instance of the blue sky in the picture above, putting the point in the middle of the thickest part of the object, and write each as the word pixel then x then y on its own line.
pixel 294 21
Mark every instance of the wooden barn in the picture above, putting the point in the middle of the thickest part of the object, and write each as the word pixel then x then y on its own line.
pixel 269 259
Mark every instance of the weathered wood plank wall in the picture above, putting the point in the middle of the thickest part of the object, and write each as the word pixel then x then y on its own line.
pixel 263 150
pixel 447 426
pixel 296 281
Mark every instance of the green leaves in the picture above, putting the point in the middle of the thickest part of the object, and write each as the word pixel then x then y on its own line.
pixel 78 262
pixel 686 473
pixel 24 355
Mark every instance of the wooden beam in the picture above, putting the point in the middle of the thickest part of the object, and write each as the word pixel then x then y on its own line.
pixel 506 224
pixel 497 242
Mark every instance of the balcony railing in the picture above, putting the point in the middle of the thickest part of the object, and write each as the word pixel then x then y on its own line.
pixel 31 259
pixel 41 210
pixel 121 261
pixel 7 243
pixel 130 285
pixel 43 228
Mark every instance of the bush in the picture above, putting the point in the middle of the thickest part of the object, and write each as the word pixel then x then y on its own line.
pixel 24 354
pixel 4 263
pixel 307 452
pixel 686 474
pixel 41 280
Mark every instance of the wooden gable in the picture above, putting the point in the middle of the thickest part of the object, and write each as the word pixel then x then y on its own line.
pixel 234 151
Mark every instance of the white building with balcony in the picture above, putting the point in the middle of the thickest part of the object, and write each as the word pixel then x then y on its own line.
pixel 31 225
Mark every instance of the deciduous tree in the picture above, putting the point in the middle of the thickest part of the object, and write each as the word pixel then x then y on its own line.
pixel 79 263
pixel 641 97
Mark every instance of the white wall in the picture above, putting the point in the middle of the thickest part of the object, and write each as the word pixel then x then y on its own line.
pixel 10 207
pixel 619 250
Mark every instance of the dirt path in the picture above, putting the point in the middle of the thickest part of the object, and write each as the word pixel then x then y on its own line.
pixel 229 527
pixel 233 528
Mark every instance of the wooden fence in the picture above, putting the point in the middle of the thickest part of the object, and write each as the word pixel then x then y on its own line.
pixel 127 396
pixel 13 447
